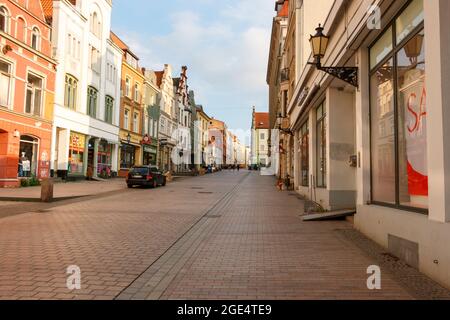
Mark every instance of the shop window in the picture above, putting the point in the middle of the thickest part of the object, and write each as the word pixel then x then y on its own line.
pixel 304 154
pixel 321 131
pixel 127 157
pixel 412 17
pixel 109 107
pixel 76 153
pixel 383 140
pixel 381 49
pixel 71 92
pixel 399 118
pixel 28 157
pixel 33 103
pixel 104 164
pixel 92 102
pixel 5 84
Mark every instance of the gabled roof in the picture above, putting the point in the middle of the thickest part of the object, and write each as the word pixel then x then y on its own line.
pixel 159 76
pixel 261 120
pixel 47 7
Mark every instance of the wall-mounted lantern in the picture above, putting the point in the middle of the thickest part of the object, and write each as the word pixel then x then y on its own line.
pixel 319 43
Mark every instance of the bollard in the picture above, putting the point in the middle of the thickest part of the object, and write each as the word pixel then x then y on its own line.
pixel 47 190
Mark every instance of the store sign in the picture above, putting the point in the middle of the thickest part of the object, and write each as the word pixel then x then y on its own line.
pixel 77 141
pixel 146 140
pixel 149 149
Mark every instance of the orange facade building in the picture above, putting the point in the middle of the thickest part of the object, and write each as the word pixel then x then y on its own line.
pixel 27 82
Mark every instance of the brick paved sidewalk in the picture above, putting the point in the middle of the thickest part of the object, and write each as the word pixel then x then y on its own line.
pixel 224 236
pixel 112 239
pixel 64 190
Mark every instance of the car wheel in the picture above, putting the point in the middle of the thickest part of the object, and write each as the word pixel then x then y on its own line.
pixel 130 186
pixel 164 182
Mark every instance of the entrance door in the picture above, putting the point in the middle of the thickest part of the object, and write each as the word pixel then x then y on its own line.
pixel 28 157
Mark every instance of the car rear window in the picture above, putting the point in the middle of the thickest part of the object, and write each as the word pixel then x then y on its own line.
pixel 141 171
pixel 154 169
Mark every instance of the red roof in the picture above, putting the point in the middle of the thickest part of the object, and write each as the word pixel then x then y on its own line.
pixel 116 40
pixel 262 120
pixel 284 12
pixel 159 76
pixel 47 7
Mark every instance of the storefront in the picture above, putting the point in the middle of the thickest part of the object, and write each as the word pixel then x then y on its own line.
pixel 150 155
pixel 77 146
pixel 104 159
pixel 24 152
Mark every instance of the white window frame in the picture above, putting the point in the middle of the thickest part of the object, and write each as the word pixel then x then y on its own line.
pixel 10 83
pixel 28 86
pixel 36 32
pixel 7 18
pixel 126 119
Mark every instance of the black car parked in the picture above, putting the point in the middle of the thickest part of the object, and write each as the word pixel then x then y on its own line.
pixel 145 176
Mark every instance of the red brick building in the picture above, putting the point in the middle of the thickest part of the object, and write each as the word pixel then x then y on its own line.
pixel 27 82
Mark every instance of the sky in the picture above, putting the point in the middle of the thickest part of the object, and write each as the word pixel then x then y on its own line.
pixel 224 44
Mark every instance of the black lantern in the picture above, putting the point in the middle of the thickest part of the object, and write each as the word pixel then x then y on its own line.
pixel 128 138
pixel 319 44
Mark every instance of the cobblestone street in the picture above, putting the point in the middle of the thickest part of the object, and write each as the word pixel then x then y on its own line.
pixel 223 236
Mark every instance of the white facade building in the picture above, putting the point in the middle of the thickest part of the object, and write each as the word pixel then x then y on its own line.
pixel 86 117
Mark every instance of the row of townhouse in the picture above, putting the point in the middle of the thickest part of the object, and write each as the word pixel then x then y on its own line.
pixel 363 118
pixel 74 101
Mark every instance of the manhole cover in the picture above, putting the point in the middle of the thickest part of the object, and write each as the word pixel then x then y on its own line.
pixel 205 192
pixel 197 188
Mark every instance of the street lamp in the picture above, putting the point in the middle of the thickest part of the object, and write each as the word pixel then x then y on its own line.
pixel 282 123
pixel 319 44
pixel 128 138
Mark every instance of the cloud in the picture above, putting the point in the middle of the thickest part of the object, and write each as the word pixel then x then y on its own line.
pixel 226 51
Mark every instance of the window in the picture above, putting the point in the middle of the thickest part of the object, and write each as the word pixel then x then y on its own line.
pixel 163 125
pixel 150 127
pixel 146 124
pixel 262 136
pixel 109 107
pixel 136 92
pixel 126 120
pixel 71 92
pixel 5 84
pixel 95 25
pixel 132 61
pixel 155 128
pixel 304 154
pixel 35 38
pixel 4 19
pixel 399 117
pixel 94 59
pixel 136 122
pixel 128 87
pixel 33 102
pixel 127 156
pixel 92 102
pixel 321 127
